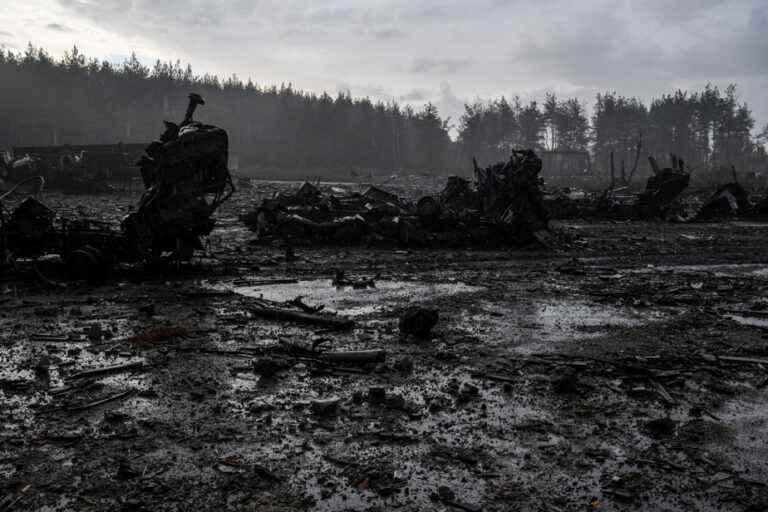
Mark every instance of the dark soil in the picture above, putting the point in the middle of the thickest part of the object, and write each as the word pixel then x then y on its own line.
pixel 627 370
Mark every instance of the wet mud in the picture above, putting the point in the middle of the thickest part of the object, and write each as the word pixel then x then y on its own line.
pixel 627 371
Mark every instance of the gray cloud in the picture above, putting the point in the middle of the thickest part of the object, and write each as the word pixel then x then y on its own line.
pixel 484 48
pixel 742 53
pixel 171 14
pixel 365 91
pixel 415 95
pixel 5 34
pixel 618 59
pixel 449 104
pixel 58 27
pixel 442 66
pixel 669 13
pixel 389 33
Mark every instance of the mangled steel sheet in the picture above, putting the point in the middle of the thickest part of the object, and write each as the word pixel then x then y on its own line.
pixel 505 207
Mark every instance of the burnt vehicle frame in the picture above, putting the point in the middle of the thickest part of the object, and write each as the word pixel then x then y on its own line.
pixel 186 178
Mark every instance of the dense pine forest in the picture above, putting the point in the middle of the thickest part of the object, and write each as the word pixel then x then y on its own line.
pixel 79 100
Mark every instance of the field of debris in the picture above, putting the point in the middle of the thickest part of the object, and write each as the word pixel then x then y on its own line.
pixel 623 368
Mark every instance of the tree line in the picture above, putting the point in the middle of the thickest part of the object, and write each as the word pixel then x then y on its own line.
pixel 77 100
pixel 84 101
pixel 708 129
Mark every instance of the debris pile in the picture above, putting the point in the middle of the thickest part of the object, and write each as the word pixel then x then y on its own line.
pixel 512 192
pixel 180 171
pixel 663 188
pixel 666 197
pixel 730 199
pixel 187 179
pixel 659 200
pixel 66 169
pixel 505 207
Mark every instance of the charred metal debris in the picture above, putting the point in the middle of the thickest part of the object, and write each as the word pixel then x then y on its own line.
pixel 504 207
pixel 665 197
pixel 73 169
pixel 186 179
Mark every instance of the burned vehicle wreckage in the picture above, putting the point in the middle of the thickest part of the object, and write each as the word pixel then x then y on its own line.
pixel 506 206
pixel 360 349
pixel 186 179
pixel 665 197
pixel 503 208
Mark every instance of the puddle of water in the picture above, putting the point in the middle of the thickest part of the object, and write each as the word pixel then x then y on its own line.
pixel 571 316
pixel 719 270
pixel 544 322
pixel 746 224
pixel 356 302
pixel 761 272
pixel 749 321
pixel 748 419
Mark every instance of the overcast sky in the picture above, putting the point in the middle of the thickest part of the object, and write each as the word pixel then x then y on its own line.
pixel 444 51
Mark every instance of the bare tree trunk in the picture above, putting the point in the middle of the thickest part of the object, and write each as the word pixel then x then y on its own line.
pixel 623 172
pixel 654 164
pixel 638 148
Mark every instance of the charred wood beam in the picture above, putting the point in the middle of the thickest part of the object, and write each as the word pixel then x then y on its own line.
pixel 301 317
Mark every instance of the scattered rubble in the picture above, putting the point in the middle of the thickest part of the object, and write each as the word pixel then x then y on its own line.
pixel 663 187
pixel 621 374
pixel 505 209
pixel 728 201
pixel 666 197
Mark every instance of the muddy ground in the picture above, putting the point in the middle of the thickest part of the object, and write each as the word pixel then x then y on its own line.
pixel 627 370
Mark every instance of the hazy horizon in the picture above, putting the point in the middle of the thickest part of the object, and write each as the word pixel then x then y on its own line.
pixel 447 53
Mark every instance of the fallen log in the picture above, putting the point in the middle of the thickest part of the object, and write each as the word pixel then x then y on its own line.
pixel 288 315
pixel 52 339
pixel 494 377
pixel 90 405
pixel 269 282
pixel 353 358
pixel 661 390
pixel 107 369
pixel 735 359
